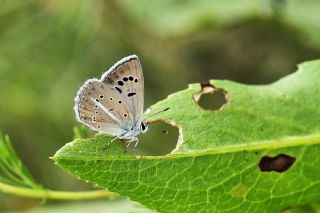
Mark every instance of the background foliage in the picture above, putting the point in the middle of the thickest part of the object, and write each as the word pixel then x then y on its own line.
pixel 49 48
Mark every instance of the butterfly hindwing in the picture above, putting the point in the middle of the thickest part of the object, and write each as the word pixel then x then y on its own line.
pixel 90 112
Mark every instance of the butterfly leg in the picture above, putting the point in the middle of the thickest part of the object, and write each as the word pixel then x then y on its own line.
pixel 137 141
pixel 110 142
pixel 114 139
pixel 129 142
pixel 133 140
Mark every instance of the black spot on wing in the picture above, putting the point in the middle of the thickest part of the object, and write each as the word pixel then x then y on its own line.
pixel 130 94
pixel 118 89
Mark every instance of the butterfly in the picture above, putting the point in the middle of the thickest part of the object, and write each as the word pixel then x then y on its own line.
pixel 113 104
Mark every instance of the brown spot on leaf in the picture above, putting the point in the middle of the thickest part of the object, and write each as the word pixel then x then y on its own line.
pixel 280 163
pixel 239 190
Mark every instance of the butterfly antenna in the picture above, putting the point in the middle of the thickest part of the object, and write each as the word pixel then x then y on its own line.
pixel 156 113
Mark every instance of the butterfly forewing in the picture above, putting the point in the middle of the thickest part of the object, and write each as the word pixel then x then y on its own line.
pixel 126 78
pixel 113 104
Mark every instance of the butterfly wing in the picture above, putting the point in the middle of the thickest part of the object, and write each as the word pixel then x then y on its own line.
pixel 113 104
pixel 95 114
pixel 126 77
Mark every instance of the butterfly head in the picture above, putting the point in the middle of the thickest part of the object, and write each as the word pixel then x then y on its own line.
pixel 144 127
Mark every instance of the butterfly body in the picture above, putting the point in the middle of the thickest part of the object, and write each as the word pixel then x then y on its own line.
pixel 130 132
pixel 114 103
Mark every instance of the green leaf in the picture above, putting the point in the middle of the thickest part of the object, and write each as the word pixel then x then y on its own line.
pixel 312 208
pixel 216 168
pixel 118 206
pixel 16 179
pixel 12 170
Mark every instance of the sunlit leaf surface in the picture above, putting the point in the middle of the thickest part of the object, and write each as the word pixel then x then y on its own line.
pixel 219 167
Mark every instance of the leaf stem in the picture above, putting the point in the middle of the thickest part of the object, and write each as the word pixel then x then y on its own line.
pixel 56 195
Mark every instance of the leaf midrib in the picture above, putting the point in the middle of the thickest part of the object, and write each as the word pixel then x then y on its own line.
pixel 292 141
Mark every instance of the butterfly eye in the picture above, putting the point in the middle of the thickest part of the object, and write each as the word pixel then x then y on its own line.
pixel 143 127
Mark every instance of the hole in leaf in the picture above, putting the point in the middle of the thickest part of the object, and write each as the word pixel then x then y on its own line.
pixel 155 142
pixel 280 163
pixel 210 97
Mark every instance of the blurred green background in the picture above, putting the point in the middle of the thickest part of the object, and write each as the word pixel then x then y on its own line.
pixel 48 48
